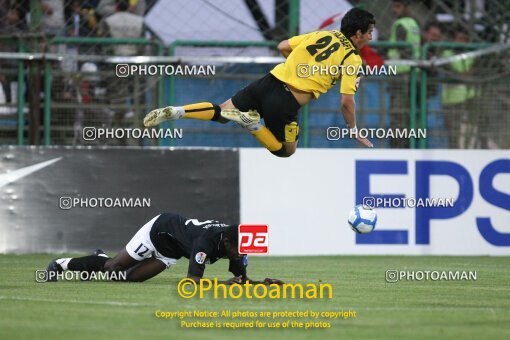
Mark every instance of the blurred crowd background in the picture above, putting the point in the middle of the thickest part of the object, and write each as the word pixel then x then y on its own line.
pixel 45 100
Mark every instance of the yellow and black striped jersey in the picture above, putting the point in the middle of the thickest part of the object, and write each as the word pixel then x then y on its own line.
pixel 318 59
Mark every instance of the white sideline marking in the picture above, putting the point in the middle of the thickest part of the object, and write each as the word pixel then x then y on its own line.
pixel 108 303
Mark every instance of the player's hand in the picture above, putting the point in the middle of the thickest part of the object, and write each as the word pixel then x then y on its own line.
pixel 365 142
pixel 269 281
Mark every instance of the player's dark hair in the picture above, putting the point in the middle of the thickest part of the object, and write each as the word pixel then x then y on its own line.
pixel 403 2
pixel 232 234
pixel 356 19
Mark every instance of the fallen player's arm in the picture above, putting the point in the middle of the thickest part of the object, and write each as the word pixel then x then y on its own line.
pixel 284 48
pixel 238 268
pixel 267 281
pixel 240 280
pixel 196 269
pixel 231 281
pixel 348 107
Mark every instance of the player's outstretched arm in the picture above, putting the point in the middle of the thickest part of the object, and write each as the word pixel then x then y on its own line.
pixel 237 267
pixel 284 48
pixel 348 106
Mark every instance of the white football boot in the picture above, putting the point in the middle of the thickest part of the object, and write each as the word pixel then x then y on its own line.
pixel 157 116
pixel 242 118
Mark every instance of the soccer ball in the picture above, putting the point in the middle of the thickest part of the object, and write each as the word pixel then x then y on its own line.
pixel 362 220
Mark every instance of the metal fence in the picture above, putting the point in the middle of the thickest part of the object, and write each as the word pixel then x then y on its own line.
pixel 465 102
pixel 86 94
pixel 461 103
pixel 56 83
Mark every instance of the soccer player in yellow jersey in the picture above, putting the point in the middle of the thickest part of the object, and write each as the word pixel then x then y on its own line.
pixel 277 97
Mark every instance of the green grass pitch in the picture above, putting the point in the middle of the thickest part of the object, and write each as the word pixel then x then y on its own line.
pixel 425 309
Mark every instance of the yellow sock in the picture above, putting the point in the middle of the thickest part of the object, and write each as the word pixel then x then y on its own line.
pixel 202 111
pixel 267 139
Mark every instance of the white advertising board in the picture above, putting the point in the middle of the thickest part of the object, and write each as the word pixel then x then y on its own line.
pixel 305 200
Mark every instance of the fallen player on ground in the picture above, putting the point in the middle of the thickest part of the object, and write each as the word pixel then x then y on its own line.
pixel 159 244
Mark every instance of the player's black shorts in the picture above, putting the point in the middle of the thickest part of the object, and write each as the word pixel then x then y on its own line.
pixel 275 103
pixel 163 235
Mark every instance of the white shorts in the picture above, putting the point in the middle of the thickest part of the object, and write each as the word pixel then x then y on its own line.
pixel 140 246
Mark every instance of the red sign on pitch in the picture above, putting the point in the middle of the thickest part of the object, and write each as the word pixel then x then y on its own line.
pixel 253 238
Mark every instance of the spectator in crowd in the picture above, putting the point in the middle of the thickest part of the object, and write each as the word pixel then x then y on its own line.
pixel 52 21
pixel 81 19
pixel 12 16
pixel 90 90
pixel 432 33
pixel 123 24
pixel 4 8
pixel 137 7
pixel 457 98
pixel 406 29
pixel 15 22
pixel 106 8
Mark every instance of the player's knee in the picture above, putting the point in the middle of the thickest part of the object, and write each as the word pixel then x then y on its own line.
pixel 112 265
pixel 284 152
pixel 134 278
pixel 227 105
pixel 290 152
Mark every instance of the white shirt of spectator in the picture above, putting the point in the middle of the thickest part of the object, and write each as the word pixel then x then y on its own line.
pixel 125 25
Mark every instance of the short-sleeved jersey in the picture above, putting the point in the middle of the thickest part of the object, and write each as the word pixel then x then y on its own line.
pixel 318 59
pixel 175 236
